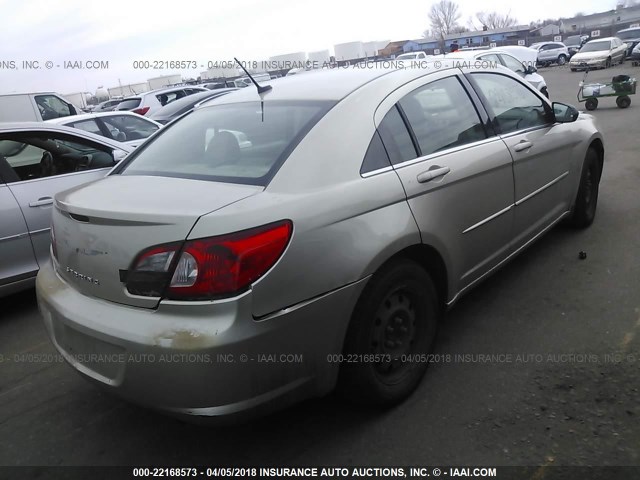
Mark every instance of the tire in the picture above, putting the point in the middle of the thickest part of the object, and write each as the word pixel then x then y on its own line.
pixel 608 64
pixel 591 103
pixel 396 315
pixel 584 208
pixel 574 69
pixel 623 101
pixel 545 92
pixel 562 59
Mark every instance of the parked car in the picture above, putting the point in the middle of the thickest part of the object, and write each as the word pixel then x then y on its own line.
pixel 635 55
pixel 126 127
pixel 38 160
pixel 34 107
pixel 599 53
pixel 521 60
pixel 630 36
pixel 107 106
pixel 148 102
pixel 184 105
pixel 257 276
pixel 413 56
pixel 551 52
pixel 574 43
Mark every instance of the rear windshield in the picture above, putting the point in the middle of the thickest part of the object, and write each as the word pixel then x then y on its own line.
pixel 629 34
pixel 228 143
pixel 129 104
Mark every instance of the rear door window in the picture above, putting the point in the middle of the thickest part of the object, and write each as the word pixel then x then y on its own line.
pixel 235 143
pixel 442 116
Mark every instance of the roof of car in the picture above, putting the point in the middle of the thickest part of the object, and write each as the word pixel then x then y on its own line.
pixel 324 84
pixel 88 116
pixel 600 39
pixel 159 91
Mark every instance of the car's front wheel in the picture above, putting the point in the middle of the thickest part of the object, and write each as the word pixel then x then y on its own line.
pixel 562 59
pixel 544 91
pixel 584 208
pixel 391 332
pixel 608 64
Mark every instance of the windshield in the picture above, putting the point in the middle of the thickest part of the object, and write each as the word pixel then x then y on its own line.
pixel 628 35
pixel 536 46
pixel 228 143
pixel 596 46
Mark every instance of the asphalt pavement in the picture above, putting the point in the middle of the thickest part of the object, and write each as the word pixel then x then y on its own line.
pixel 537 366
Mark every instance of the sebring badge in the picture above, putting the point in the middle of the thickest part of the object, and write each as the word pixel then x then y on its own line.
pixel 80 276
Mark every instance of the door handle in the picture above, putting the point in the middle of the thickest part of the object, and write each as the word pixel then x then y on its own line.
pixel 41 202
pixel 434 172
pixel 523 145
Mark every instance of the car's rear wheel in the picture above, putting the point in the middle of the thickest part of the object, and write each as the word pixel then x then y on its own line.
pixel 584 208
pixel 392 329
pixel 562 59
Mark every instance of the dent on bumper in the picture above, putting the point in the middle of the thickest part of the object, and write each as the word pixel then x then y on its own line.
pixel 205 358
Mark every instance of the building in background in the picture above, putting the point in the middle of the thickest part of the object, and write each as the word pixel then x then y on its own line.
pixel 164 81
pixel 546 30
pixel 320 57
pixel 128 90
pixel 79 99
pixel 610 22
pixel 392 49
pixel 479 38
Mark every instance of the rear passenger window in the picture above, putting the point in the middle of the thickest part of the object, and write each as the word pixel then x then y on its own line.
pixel 396 138
pixel 442 116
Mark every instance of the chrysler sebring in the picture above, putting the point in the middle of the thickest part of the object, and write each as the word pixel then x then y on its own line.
pixel 208 279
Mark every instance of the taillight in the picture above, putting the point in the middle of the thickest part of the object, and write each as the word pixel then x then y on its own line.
pixel 141 110
pixel 209 268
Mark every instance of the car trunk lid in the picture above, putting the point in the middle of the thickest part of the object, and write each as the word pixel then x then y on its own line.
pixel 101 227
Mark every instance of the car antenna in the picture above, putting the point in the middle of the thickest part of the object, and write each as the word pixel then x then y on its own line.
pixel 261 88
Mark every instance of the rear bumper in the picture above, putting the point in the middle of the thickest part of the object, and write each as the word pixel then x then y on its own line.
pixel 204 359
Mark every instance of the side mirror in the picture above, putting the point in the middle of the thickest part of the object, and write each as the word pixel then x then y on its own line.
pixel 530 69
pixel 564 113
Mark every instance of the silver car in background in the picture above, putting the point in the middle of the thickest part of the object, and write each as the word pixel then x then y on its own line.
pixel 205 279
pixel 38 160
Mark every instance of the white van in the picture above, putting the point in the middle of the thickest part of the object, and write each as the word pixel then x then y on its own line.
pixel 34 107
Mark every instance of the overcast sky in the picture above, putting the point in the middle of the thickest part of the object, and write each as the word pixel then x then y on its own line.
pixel 122 31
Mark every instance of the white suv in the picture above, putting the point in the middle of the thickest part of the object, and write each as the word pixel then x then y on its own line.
pixel 148 102
pixel 551 52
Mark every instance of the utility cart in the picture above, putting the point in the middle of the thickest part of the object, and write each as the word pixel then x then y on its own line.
pixel 621 87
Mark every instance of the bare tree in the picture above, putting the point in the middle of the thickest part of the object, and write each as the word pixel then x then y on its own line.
pixel 495 20
pixel 443 18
